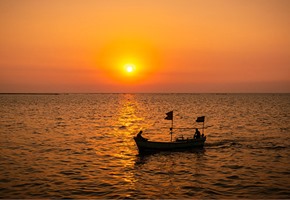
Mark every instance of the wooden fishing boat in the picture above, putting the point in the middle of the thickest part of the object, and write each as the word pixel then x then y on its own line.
pixel 180 144
pixel 146 146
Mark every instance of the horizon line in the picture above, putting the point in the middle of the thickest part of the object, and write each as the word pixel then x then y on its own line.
pixel 68 93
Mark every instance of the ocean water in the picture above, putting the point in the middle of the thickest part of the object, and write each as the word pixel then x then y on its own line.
pixel 81 146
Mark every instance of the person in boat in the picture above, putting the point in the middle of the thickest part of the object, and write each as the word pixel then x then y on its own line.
pixel 197 134
pixel 139 136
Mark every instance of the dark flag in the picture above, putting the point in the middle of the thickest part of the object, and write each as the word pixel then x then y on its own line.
pixel 169 116
pixel 200 119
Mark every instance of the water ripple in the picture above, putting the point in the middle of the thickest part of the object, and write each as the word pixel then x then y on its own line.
pixel 81 146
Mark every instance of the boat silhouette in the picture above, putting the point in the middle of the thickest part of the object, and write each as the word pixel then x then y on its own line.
pixel 180 144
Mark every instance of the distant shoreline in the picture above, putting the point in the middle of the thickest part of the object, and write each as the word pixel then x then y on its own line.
pixel 32 93
pixel 91 93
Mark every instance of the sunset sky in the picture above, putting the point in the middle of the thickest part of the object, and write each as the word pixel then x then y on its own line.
pixel 145 46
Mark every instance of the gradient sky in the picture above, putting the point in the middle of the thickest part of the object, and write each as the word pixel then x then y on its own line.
pixel 174 45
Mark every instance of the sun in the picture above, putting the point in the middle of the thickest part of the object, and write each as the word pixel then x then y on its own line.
pixel 129 68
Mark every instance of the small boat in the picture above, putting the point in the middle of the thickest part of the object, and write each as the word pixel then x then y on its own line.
pixel 180 144
pixel 146 146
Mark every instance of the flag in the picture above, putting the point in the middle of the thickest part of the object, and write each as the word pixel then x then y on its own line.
pixel 169 116
pixel 200 119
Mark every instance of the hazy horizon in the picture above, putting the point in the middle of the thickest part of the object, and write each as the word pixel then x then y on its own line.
pixel 145 46
pixel 92 93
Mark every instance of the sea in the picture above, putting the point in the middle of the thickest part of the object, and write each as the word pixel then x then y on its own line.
pixel 81 146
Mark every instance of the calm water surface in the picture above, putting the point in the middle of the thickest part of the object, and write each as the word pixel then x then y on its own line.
pixel 81 146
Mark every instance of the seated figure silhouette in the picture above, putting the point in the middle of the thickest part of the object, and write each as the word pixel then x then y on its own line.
pixel 197 134
pixel 139 136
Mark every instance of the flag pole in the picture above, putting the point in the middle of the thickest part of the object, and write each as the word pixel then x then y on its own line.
pixel 171 130
pixel 201 119
pixel 169 116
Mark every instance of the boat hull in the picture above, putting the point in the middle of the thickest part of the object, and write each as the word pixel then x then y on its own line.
pixel 150 146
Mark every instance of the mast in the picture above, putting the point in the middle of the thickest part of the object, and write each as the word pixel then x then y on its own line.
pixel 169 116
pixel 171 129
pixel 203 127
pixel 201 119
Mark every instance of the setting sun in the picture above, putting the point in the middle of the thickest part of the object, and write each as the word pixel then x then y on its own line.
pixel 151 46
pixel 129 68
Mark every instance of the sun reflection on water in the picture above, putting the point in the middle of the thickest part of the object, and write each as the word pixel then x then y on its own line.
pixel 128 124
pixel 81 146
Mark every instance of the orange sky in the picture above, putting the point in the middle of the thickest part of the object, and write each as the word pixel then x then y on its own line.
pixel 174 46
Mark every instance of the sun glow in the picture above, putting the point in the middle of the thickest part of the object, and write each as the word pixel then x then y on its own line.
pixel 129 68
pixel 128 61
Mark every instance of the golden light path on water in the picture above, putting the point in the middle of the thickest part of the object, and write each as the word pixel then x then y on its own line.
pixel 81 146
pixel 135 170
pixel 126 126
